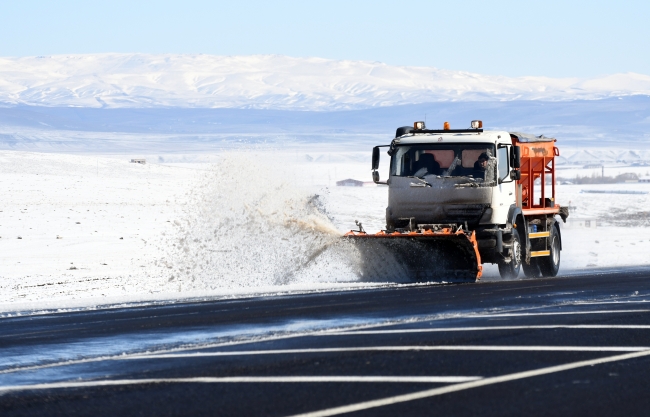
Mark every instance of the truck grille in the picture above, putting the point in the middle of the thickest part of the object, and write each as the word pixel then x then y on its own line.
pixel 465 212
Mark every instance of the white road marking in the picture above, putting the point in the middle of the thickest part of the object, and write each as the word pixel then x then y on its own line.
pixel 320 332
pixel 472 329
pixel 244 379
pixel 467 385
pixel 554 313
pixel 392 349
pixel 258 339
pixel 619 301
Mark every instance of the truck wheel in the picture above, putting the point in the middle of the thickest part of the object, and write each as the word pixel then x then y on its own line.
pixel 532 270
pixel 550 265
pixel 510 270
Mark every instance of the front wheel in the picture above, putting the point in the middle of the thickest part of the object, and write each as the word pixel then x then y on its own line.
pixel 550 265
pixel 511 269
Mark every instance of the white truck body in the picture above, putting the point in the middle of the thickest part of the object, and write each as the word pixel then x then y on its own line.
pixel 457 198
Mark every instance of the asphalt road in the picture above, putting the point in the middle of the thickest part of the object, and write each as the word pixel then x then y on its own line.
pixel 574 345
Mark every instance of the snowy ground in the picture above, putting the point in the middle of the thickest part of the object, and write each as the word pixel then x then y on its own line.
pixel 83 230
pixel 74 226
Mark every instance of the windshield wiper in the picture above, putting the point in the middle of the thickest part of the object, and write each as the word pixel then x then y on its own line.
pixel 423 184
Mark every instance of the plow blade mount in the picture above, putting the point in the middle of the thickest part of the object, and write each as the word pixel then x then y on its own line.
pixel 445 254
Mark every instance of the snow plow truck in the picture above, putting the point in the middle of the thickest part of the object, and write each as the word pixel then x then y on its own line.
pixel 460 198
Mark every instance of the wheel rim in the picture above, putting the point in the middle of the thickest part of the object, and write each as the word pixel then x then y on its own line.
pixel 516 254
pixel 555 251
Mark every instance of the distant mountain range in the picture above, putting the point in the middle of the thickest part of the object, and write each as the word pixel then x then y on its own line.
pixel 273 82
pixel 174 103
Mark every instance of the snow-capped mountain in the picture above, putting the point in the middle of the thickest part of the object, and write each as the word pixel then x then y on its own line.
pixel 272 82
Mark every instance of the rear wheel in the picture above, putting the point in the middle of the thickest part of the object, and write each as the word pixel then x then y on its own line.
pixel 511 269
pixel 550 265
pixel 532 270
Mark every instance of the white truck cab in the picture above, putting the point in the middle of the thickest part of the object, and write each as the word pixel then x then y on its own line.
pixel 458 177
pixel 478 182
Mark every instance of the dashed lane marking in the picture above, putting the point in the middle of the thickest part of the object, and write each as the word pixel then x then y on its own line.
pixel 467 385
pixel 243 379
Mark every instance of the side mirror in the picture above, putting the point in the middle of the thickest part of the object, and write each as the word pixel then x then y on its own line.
pixel 515 175
pixel 375 159
pixel 515 157
pixel 375 176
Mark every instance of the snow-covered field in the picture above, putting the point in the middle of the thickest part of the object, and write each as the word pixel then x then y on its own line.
pixel 74 226
pixel 79 231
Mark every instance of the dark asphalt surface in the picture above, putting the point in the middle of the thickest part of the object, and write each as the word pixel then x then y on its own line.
pixel 467 349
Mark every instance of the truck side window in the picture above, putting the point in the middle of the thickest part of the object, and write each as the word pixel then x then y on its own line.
pixel 502 160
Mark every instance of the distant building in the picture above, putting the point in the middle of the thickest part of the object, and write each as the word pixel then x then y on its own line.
pixel 139 161
pixel 349 183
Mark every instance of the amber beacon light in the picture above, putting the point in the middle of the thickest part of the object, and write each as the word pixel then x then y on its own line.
pixel 477 124
pixel 445 126
pixel 419 126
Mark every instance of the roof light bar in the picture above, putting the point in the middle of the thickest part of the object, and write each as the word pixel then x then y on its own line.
pixel 419 127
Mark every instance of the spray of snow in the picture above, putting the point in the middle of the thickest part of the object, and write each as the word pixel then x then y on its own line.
pixel 249 223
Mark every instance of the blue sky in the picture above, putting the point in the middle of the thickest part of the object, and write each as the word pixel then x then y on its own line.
pixel 514 38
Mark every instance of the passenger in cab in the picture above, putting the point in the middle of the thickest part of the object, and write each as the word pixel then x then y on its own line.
pixel 426 165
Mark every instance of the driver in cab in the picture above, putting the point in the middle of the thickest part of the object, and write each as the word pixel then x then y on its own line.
pixel 481 165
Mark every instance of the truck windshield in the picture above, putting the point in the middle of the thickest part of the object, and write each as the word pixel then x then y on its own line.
pixel 448 160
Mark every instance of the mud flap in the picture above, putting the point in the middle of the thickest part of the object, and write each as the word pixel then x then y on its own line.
pixel 443 256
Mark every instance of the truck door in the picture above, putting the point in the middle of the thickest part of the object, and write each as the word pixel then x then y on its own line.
pixel 505 195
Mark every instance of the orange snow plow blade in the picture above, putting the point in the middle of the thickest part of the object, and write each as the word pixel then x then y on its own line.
pixel 438 253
